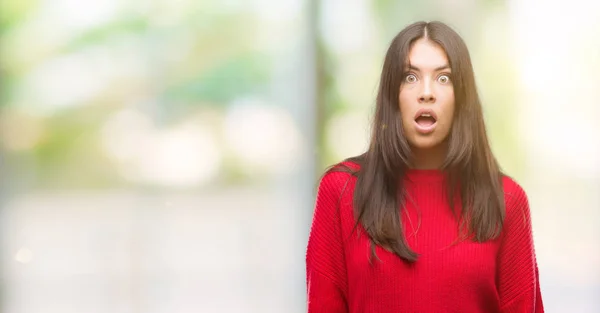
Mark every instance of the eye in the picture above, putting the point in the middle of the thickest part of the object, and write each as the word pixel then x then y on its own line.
pixel 444 79
pixel 410 78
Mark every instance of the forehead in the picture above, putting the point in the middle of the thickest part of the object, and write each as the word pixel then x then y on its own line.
pixel 426 54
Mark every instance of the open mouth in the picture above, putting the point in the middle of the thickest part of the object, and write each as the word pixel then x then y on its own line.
pixel 425 121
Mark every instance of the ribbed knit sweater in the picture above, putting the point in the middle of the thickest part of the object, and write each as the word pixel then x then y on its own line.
pixel 500 275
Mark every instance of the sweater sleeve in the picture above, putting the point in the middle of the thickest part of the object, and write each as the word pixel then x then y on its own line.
pixel 325 266
pixel 518 277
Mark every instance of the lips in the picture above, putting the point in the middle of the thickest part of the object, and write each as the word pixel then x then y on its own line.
pixel 425 121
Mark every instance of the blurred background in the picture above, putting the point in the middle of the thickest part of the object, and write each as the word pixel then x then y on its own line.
pixel 163 156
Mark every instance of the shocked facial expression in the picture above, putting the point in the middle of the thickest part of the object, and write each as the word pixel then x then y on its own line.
pixel 426 96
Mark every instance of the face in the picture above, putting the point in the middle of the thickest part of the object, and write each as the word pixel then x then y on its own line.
pixel 427 96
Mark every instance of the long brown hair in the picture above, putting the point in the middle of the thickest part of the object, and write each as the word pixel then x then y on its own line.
pixel 473 172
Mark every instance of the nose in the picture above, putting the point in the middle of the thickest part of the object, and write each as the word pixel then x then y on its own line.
pixel 426 95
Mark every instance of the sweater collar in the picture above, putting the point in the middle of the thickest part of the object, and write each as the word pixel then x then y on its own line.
pixel 433 175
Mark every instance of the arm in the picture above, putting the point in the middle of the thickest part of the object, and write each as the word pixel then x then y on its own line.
pixel 518 278
pixel 325 266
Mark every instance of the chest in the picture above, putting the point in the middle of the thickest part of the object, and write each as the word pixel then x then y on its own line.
pixel 432 231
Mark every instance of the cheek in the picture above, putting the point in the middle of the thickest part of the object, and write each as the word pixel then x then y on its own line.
pixel 402 99
pixel 448 107
pixel 448 119
pixel 405 104
pixel 449 112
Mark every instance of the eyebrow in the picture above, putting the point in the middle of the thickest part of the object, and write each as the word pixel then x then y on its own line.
pixel 439 68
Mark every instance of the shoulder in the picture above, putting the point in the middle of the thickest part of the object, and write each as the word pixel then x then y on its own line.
pixel 516 201
pixel 350 166
pixel 337 177
pixel 514 194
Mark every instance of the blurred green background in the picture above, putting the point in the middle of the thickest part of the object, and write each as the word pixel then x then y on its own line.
pixel 162 156
pixel 86 85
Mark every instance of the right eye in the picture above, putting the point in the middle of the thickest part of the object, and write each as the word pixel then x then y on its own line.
pixel 410 78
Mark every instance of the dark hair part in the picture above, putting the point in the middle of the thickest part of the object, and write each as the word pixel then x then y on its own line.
pixel 473 172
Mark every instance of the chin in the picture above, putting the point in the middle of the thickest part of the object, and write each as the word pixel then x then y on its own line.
pixel 421 143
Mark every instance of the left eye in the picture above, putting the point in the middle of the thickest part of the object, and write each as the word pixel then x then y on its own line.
pixel 444 79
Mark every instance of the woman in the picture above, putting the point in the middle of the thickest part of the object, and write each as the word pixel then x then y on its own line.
pixel 424 221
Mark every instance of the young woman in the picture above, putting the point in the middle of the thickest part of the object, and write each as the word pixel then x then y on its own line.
pixel 424 221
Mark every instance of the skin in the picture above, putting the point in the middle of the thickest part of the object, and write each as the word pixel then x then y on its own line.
pixel 427 84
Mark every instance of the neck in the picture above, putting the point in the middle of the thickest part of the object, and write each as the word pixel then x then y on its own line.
pixel 428 159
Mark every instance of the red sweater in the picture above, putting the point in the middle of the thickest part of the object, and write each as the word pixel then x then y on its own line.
pixel 497 276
